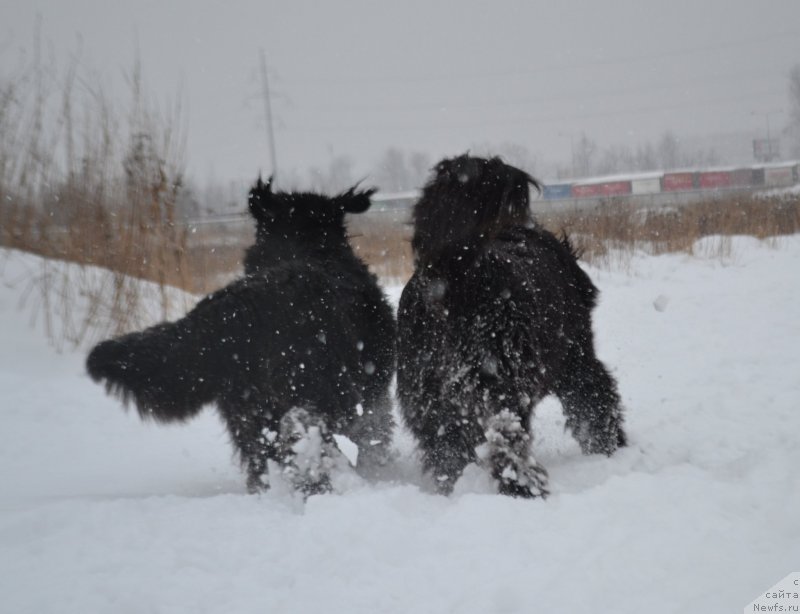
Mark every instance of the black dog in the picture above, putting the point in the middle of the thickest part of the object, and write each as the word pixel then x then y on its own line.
pixel 496 317
pixel 298 350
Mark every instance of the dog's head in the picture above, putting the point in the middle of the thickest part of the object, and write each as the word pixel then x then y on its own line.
pixel 293 212
pixel 285 220
pixel 468 201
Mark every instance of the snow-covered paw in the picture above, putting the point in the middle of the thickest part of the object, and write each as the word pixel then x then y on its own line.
pixel 507 455
pixel 606 439
pixel 527 482
pixel 307 453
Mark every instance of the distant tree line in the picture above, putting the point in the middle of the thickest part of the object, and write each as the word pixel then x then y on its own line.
pixel 665 154
pixel 397 170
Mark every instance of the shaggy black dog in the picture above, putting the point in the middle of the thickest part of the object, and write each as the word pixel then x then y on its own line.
pixel 496 316
pixel 299 349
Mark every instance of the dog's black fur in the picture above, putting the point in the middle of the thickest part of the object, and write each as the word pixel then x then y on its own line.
pixel 496 316
pixel 304 341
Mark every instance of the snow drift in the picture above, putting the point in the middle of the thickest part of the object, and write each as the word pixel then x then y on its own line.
pixel 101 513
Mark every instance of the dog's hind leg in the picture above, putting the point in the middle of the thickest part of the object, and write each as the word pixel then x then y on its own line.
pixel 256 450
pixel 248 414
pixel 257 457
pixel 307 452
pixel 257 478
pixel 507 453
pixel 591 404
pixel 371 430
pixel 447 447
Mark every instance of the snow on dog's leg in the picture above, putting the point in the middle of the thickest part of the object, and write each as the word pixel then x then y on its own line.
pixel 507 453
pixel 303 462
pixel 308 452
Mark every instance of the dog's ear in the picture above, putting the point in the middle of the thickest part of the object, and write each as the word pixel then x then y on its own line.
pixel 534 183
pixel 260 200
pixel 516 189
pixel 355 201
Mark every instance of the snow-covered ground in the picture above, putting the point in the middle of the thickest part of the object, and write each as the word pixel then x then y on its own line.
pixel 102 513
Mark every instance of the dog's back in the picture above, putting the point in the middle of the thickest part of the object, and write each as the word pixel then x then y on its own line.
pixel 517 302
pixel 485 267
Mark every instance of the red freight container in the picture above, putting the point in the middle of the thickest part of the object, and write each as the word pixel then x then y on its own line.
pixel 612 188
pixel 676 182
pixel 714 179
pixel 618 187
pixel 585 190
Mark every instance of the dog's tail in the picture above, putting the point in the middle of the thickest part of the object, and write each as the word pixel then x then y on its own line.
pixel 159 369
pixel 469 201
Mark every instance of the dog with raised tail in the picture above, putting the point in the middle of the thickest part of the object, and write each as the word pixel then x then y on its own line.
pixel 300 349
pixel 496 316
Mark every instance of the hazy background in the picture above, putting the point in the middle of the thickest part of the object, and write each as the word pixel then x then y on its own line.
pixel 352 78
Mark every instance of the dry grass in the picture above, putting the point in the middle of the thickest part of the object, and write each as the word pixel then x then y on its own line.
pixel 151 246
pixel 79 184
pixel 382 240
pixel 610 234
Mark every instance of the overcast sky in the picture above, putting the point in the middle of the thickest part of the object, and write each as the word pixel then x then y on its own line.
pixel 355 77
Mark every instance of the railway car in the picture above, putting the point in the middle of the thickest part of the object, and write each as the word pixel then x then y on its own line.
pixel 714 180
pixel 557 191
pixel 742 177
pixel 779 176
pixel 607 188
pixel 678 182
pixel 646 185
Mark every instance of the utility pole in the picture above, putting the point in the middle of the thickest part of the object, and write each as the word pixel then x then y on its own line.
pixel 268 113
pixel 571 149
pixel 771 152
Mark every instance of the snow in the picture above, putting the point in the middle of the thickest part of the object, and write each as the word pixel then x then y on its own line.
pixel 100 512
pixel 789 192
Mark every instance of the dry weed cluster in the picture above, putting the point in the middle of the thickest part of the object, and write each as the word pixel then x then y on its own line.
pixel 81 183
pixel 610 234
